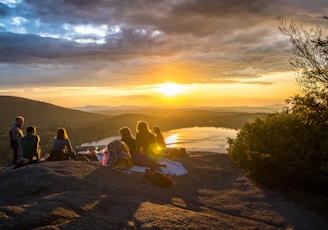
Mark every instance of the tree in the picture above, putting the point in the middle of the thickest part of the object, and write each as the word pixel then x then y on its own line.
pixel 289 149
pixel 309 57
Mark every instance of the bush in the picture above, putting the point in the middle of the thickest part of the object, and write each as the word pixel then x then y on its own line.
pixel 284 150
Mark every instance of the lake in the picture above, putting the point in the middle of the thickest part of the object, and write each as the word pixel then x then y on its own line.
pixel 193 139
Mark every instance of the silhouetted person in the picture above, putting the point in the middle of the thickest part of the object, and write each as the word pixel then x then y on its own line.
pixel 126 136
pixel 160 140
pixel 145 139
pixel 15 134
pixel 30 145
pixel 138 158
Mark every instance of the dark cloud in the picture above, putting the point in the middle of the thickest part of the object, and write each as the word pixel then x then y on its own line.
pixel 28 48
pixel 4 10
pixel 218 35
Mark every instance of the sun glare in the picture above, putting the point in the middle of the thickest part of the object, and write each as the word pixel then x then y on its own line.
pixel 170 89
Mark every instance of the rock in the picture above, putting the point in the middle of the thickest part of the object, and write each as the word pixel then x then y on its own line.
pixel 85 195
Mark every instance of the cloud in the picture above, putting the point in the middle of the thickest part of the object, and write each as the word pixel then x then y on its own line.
pixel 146 41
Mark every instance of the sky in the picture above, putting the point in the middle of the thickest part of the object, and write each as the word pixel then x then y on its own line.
pixel 151 52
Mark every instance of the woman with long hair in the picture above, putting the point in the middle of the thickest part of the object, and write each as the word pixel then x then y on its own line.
pixel 160 139
pixel 145 139
pixel 61 146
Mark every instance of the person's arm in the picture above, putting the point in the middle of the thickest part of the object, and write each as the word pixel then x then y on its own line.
pixel 69 146
pixel 38 148
pixel 138 144
pixel 15 135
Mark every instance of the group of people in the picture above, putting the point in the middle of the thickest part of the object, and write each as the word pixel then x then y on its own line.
pixel 28 146
pixel 145 149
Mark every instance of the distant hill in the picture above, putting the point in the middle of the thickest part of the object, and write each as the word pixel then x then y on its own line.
pixel 46 117
pixel 86 126
pixel 41 113
pixel 112 110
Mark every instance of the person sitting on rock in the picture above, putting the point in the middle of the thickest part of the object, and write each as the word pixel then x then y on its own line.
pixel 138 159
pixel 145 140
pixel 61 147
pixel 160 140
pixel 30 145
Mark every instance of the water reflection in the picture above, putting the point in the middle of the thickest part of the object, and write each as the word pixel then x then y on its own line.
pixel 193 139
pixel 200 138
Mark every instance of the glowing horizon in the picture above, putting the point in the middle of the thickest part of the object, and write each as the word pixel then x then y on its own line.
pixel 162 94
pixel 167 53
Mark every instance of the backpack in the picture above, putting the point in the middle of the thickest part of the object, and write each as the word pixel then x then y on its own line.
pixel 158 178
pixel 119 155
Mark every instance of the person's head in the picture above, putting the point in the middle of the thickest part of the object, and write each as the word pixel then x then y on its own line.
pixel 156 130
pixel 19 121
pixel 31 130
pixel 125 132
pixel 61 134
pixel 142 127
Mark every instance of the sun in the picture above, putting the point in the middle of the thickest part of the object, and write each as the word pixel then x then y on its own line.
pixel 170 89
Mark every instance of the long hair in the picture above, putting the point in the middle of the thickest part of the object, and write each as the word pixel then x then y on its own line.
pixel 61 134
pixel 142 127
pixel 125 132
pixel 156 130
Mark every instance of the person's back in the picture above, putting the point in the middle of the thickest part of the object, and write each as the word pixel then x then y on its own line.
pixel 62 142
pixel 145 141
pixel 30 144
pixel 131 143
pixel 160 140
pixel 126 137
pixel 138 158
pixel 61 147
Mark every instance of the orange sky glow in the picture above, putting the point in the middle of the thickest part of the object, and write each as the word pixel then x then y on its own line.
pixel 152 53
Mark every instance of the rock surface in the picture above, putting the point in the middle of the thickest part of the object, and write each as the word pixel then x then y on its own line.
pixel 84 195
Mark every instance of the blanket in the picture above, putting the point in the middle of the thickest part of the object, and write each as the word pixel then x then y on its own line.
pixel 172 168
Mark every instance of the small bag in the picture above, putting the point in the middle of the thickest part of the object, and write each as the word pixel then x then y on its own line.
pixel 158 178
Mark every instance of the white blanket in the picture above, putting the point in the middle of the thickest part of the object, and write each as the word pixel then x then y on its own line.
pixel 172 168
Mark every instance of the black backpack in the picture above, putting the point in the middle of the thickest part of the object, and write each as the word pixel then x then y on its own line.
pixel 158 178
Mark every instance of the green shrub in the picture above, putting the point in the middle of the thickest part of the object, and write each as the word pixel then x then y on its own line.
pixel 284 150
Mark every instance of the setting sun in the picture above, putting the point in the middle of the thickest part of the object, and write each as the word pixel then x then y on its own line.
pixel 170 89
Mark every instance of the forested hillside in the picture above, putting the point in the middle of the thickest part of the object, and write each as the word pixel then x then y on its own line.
pixel 85 127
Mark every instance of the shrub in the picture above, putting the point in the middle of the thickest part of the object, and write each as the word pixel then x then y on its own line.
pixel 283 151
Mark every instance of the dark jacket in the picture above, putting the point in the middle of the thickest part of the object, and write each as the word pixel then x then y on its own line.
pixel 131 143
pixel 146 141
pixel 30 146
